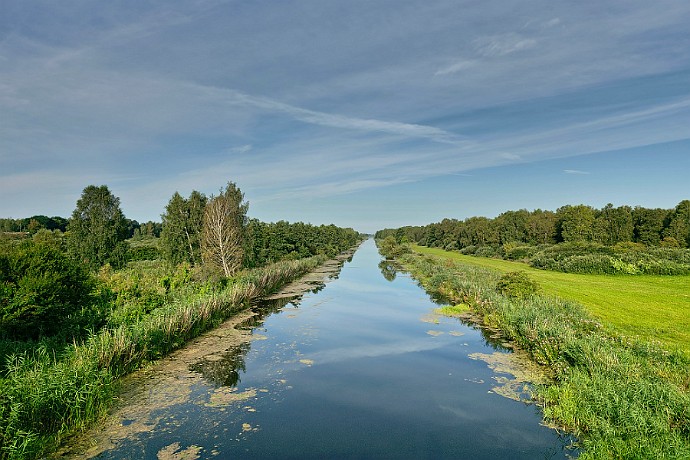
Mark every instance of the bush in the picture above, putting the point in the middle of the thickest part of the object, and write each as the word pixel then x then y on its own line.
pixel 41 291
pixel 390 249
pixel 514 251
pixel 517 285
pixel 486 251
pixel 623 258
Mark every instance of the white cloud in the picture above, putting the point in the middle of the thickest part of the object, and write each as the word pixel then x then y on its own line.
pixel 501 45
pixel 455 67
pixel 190 96
pixel 553 22
pixel 575 171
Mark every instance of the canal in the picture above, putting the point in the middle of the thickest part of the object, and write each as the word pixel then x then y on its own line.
pixel 358 367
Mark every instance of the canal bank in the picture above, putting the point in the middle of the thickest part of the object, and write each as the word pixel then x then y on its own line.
pixel 359 367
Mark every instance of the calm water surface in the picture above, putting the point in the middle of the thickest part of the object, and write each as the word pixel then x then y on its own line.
pixel 360 369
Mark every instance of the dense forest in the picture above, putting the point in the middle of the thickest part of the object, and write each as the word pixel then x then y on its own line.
pixel 87 299
pixel 578 239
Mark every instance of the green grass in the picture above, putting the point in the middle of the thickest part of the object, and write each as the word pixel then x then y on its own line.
pixel 649 307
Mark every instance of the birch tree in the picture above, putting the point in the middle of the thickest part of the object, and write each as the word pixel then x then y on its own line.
pixel 223 231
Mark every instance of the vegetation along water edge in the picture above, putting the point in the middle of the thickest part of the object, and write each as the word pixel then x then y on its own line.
pixel 82 307
pixel 621 396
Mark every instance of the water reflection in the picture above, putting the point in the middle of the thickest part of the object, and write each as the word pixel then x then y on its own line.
pixel 388 269
pixel 224 370
pixel 368 369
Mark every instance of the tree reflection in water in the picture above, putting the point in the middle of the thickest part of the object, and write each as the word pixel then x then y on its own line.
pixel 224 371
pixel 388 269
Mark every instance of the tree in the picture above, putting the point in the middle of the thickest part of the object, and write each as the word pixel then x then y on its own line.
pixel 541 227
pixel 182 224
pixel 97 229
pixel 225 218
pixel 575 223
pixel 512 226
pixel 614 225
pixel 678 226
pixel 649 224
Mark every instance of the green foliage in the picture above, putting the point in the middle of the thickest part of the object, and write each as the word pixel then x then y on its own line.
pixel 50 388
pixel 649 224
pixel 518 251
pixel 390 249
pixel 517 285
pixel 181 231
pixel 271 242
pixel 620 398
pixel 575 223
pixel 97 229
pixel 42 291
pixel 143 248
pixel 624 302
pixel 47 395
pixel 580 224
pixel 624 258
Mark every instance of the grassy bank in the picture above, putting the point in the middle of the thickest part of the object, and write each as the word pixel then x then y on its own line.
pixel 46 396
pixel 622 398
pixel 653 308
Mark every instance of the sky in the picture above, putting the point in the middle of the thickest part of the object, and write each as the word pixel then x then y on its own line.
pixel 367 114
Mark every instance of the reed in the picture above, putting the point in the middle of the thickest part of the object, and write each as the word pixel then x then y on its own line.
pixel 47 395
pixel 621 397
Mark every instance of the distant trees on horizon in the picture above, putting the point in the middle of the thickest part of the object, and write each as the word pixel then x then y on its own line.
pixel 570 223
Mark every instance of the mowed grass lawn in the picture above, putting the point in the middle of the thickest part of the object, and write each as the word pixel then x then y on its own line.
pixel 655 308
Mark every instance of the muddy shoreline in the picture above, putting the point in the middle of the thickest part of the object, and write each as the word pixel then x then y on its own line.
pixel 169 381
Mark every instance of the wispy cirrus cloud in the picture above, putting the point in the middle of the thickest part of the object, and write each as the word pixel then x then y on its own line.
pixel 504 44
pixel 315 101
pixel 455 67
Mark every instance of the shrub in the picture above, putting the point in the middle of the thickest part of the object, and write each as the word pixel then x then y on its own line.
pixel 390 249
pixel 516 251
pixel 517 285
pixel 486 251
pixel 42 291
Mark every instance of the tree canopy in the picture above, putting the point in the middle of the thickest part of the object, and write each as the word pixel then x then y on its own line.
pixel 181 231
pixel 97 229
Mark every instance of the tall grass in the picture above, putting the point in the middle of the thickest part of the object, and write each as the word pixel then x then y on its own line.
pixel 620 397
pixel 652 307
pixel 46 395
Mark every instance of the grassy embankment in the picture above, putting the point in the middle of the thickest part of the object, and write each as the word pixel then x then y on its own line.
pixel 46 395
pixel 621 397
pixel 652 308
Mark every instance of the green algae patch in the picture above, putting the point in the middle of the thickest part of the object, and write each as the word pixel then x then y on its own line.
pixel 175 452
pixel 523 372
pixel 308 362
pixel 432 318
pixel 460 310
pixel 226 396
pixel 434 333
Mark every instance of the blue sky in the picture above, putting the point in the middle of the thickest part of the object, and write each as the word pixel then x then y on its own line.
pixel 367 114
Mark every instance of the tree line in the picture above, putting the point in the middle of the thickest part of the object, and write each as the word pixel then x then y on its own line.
pixel 34 224
pixel 48 281
pixel 652 227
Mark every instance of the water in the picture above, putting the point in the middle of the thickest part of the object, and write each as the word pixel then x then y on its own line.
pixel 360 369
